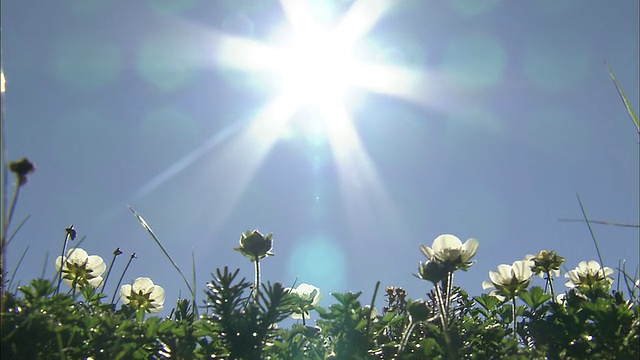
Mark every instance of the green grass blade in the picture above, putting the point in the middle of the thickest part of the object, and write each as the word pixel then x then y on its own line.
pixel 593 236
pixel 632 114
pixel 13 234
pixel 17 267
pixel 155 238
pixel 193 282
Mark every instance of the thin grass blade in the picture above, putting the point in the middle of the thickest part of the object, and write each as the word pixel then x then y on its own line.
pixel 166 253
pixel 593 236
pixel 632 114
pixel 13 234
pixel 193 282
pixel 18 266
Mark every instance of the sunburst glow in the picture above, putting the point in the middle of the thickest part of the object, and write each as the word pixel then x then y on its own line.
pixel 313 68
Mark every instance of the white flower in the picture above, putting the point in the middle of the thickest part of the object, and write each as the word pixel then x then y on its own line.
pixel 509 280
pixel 588 273
pixel 373 313
pixel 81 269
pixel 310 297
pixel 448 248
pixel 546 262
pixel 143 294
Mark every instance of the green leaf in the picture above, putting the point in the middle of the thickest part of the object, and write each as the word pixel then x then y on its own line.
pixel 534 298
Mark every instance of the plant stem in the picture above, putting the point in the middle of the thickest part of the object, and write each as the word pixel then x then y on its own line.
pixel 256 283
pixel 443 317
pixel 5 228
pixel 514 313
pixel 116 252
pixel 62 257
pixel 593 236
pixel 405 337
pixel 550 282
pixel 133 256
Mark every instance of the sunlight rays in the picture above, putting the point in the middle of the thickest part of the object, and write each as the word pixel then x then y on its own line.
pixel 315 67
pixel 365 195
pixel 307 65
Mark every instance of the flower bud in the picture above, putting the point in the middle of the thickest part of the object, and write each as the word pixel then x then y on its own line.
pixel 432 271
pixel 22 168
pixel 255 246
pixel 418 310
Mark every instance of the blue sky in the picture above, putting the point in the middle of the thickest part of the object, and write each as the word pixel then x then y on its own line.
pixel 479 119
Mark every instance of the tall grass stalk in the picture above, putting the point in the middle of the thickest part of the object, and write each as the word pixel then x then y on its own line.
pixel 371 307
pixel 593 236
pixel 624 99
pixel 193 281
pixel 15 270
pixel 13 234
pixel 3 184
pixel 166 253
pixel 6 220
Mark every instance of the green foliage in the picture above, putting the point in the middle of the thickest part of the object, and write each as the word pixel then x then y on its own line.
pixel 39 324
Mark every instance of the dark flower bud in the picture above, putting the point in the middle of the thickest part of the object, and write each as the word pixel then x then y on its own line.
pixel 432 271
pixel 255 246
pixel 71 232
pixel 22 168
pixel 418 310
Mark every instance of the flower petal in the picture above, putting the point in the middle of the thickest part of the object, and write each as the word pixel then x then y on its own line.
pixel 96 281
pixel 97 265
pixel 469 249
pixel 157 295
pixel 427 251
pixel 487 285
pixel 58 263
pixel 143 284
pixel 77 254
pixel 446 241
pixel 125 292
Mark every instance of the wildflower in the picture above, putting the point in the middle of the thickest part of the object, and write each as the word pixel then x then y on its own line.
pixel 308 298
pixel 374 314
pixel 588 274
pixel 509 280
pixel 432 271
pixel 80 269
pixel 546 262
pixel 449 250
pixel 143 294
pixel 22 168
pixel 255 246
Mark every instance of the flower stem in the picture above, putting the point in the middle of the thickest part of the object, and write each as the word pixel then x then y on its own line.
pixel 133 256
pixel 5 228
pixel 67 236
pixel 550 282
pixel 443 317
pixel 256 283
pixel 405 337
pixel 116 252
pixel 514 313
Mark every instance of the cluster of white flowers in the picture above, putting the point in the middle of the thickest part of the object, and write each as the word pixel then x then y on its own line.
pixel 510 280
pixel 80 269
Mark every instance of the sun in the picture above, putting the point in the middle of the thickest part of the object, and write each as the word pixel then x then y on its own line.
pixel 307 67
pixel 316 68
